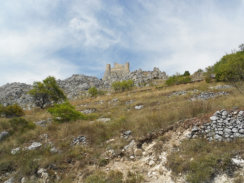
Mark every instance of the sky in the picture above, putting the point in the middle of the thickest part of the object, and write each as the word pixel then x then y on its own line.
pixel 40 38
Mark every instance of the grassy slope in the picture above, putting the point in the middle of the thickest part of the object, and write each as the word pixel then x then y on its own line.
pixel 159 111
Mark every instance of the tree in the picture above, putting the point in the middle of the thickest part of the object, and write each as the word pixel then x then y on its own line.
pixel 241 47
pixel 186 73
pixel 47 92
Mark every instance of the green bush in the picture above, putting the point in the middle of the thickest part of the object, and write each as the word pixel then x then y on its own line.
pixel 123 85
pixel 20 125
pixel 13 111
pixel 65 112
pixel 47 92
pixel 230 68
pixel 178 79
pixel 93 92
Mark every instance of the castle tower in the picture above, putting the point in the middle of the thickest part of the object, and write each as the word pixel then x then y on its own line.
pixel 127 67
pixel 107 72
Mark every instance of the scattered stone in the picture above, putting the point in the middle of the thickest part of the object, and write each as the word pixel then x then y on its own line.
pixel 53 150
pixel 34 146
pixel 126 134
pixel 104 120
pixel 43 123
pixel 178 93
pixel 43 174
pixel 79 140
pixel 208 95
pixel 220 87
pixel 89 111
pixel 238 161
pixel 223 126
pixel 15 151
pixel 3 135
pixel 139 107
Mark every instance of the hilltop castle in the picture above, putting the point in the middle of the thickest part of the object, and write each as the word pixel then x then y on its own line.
pixel 118 71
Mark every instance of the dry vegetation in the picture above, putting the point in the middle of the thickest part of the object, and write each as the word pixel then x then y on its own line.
pixel 159 112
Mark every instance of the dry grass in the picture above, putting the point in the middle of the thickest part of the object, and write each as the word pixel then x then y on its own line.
pixel 159 111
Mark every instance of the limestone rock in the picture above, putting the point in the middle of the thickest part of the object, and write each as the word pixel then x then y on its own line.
pixel 34 146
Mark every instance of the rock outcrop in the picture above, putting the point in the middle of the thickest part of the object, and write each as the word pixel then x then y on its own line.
pixel 73 85
pixel 16 93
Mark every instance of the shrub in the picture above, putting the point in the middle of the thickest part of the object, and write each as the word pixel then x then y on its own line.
pixel 65 112
pixel 20 124
pixel 13 111
pixel 93 91
pixel 178 79
pixel 47 92
pixel 123 85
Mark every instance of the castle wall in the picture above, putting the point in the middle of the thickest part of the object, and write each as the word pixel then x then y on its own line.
pixel 118 70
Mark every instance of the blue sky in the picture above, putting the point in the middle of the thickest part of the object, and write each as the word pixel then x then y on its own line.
pixel 39 38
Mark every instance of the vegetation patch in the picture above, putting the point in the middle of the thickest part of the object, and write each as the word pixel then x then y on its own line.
pixel 11 111
pixel 178 79
pixel 202 160
pixel 120 86
pixel 65 112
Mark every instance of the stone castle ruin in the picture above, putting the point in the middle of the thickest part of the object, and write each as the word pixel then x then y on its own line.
pixel 118 71
pixel 122 72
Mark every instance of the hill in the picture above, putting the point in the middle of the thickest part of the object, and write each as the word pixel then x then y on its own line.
pixel 148 134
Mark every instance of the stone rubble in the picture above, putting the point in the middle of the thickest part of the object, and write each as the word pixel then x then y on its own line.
pixel 223 126
pixel 88 111
pixel 221 87
pixel 79 140
pixel 126 134
pixel 208 95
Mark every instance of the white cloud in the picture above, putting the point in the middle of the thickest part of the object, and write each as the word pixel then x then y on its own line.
pixel 173 35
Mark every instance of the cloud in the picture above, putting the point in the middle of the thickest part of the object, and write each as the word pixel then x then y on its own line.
pixel 60 38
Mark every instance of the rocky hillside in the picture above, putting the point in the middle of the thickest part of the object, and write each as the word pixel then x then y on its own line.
pixel 185 133
pixel 74 86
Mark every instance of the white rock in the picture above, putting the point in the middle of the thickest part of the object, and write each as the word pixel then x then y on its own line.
pixel 238 161
pixel 151 163
pixel 34 146
pixel 104 120
pixel 139 107
pixel 14 151
pixel 213 118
